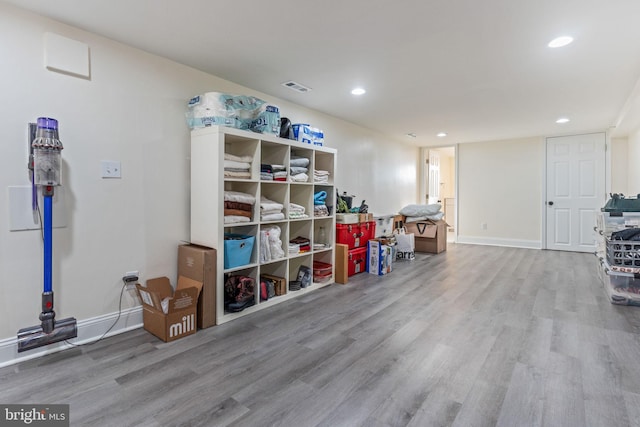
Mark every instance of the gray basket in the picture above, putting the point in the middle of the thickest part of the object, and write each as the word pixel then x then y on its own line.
pixel 624 255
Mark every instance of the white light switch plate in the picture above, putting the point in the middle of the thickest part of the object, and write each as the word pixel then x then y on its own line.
pixel 110 169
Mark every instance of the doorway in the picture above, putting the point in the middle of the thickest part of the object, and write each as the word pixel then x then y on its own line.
pixel 575 190
pixel 438 183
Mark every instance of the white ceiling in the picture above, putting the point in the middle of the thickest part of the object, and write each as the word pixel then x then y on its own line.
pixel 478 70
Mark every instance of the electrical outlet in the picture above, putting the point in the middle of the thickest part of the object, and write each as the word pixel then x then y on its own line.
pixel 110 169
pixel 483 226
pixel 131 277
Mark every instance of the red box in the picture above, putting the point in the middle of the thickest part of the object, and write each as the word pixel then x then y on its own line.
pixel 355 235
pixel 357 261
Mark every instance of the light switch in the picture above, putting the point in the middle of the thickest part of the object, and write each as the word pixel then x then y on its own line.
pixel 110 169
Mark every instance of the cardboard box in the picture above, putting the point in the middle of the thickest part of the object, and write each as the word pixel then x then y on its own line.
pixel 180 318
pixel 365 217
pixel 342 267
pixel 430 236
pixel 379 258
pixel 199 263
pixel 347 218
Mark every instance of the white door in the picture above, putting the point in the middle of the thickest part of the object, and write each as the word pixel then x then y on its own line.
pixel 434 177
pixel 575 190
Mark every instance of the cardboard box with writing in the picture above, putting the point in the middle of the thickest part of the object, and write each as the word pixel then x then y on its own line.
pixel 180 317
pixel 430 236
pixel 379 257
pixel 199 263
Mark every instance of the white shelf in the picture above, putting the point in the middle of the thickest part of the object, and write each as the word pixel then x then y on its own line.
pixel 208 184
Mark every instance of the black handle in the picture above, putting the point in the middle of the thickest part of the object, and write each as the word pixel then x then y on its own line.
pixel 550 203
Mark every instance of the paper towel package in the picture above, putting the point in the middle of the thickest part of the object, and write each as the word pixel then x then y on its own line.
pixel 238 111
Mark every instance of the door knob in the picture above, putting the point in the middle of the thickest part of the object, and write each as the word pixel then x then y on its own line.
pixel 550 203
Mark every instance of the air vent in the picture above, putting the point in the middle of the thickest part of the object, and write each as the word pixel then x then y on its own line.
pixel 296 86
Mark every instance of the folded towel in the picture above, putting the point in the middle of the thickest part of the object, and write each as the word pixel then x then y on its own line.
pixel 320 210
pixel 299 161
pixel 236 165
pixel 268 205
pixel 270 211
pixel 243 159
pixel 296 170
pixel 272 217
pixel 301 177
pixel 236 205
pixel 280 175
pixel 237 212
pixel 320 197
pixel 297 215
pixel 265 176
pixel 235 174
pixel 320 172
pixel 293 207
pixel 237 196
pixel 232 219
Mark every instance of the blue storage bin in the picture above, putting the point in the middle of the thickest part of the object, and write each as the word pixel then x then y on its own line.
pixel 237 249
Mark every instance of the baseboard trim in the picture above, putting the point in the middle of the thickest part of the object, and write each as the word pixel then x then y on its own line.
pixel 88 330
pixel 493 241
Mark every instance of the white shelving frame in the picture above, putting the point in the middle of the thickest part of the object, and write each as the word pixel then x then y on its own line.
pixel 208 184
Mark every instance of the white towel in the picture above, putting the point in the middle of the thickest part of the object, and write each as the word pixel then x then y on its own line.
pixel 232 219
pixel 299 161
pixel 244 159
pixel 236 196
pixel 231 164
pixel 269 205
pixel 273 217
pixel 296 208
pixel 301 177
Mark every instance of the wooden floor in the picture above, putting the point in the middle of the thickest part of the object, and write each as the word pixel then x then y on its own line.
pixel 476 336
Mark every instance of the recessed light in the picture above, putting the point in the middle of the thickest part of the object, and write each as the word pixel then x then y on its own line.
pixel 562 120
pixel 560 41
pixel 358 91
pixel 411 134
pixel 442 134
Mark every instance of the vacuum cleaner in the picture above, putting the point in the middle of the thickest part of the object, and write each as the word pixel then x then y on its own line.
pixel 47 162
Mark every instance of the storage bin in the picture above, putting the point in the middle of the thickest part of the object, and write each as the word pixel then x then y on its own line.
pixel 355 235
pixel 624 253
pixel 321 268
pixel 384 225
pixel 237 249
pixel 622 288
pixel 610 222
pixel 356 261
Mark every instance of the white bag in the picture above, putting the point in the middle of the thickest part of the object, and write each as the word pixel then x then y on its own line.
pixel 406 246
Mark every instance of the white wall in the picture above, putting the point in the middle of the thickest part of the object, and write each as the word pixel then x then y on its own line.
pixel 500 185
pixel 131 110
pixel 619 165
pixel 633 171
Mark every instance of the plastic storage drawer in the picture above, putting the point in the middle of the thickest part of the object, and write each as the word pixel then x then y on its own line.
pixel 622 288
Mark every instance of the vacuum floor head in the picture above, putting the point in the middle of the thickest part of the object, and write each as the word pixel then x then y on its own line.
pixel 34 337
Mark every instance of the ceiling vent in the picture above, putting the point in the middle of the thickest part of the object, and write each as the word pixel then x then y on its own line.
pixel 296 86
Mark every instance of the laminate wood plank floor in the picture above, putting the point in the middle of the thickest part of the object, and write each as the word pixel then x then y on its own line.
pixel 475 336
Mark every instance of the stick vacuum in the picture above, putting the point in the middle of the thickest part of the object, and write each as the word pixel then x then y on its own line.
pixel 47 173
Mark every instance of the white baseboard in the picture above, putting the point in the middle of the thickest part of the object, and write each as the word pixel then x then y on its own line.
pixel 88 330
pixel 493 241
